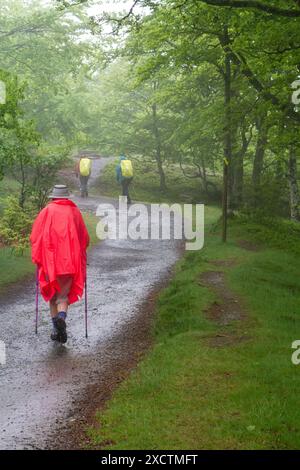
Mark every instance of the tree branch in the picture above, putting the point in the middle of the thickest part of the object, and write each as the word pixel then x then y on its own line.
pixel 258 5
pixel 241 62
pixel 197 175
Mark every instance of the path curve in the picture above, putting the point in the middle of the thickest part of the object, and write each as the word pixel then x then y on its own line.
pixel 43 383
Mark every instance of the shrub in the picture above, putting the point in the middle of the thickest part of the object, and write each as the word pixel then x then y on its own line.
pixel 15 225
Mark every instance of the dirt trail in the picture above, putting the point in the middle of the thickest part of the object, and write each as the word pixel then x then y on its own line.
pixel 227 310
pixel 43 385
pixel 228 307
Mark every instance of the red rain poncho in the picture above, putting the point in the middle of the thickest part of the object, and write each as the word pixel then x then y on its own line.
pixel 59 240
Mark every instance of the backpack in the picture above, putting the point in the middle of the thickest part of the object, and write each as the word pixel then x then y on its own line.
pixel 126 169
pixel 85 167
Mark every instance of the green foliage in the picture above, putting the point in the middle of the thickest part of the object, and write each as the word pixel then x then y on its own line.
pixel 8 186
pixel 157 92
pixel 42 171
pixel 270 230
pixel 47 64
pixel 10 112
pixel 15 225
pixel 145 185
pixel 271 197
pixel 176 52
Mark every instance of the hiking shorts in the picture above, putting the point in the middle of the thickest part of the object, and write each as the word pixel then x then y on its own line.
pixel 65 283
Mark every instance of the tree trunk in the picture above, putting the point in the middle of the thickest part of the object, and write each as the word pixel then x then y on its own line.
pixel 230 202
pixel 262 139
pixel 204 180
pixel 238 172
pixel 22 196
pixel 162 177
pixel 238 182
pixel 227 134
pixel 293 183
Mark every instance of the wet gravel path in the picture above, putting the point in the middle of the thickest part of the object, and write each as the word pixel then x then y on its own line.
pixel 43 384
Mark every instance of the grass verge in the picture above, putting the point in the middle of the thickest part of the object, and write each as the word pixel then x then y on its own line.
pixel 188 394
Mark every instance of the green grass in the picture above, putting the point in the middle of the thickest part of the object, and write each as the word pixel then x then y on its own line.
pixel 15 268
pixel 91 222
pixel 270 230
pixel 187 394
pixel 145 186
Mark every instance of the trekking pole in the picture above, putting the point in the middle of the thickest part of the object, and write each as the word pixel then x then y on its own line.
pixel 36 300
pixel 86 309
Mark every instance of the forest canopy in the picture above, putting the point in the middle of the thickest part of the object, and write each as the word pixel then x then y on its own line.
pixel 211 86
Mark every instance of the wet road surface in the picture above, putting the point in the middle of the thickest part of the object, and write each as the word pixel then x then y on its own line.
pixel 42 382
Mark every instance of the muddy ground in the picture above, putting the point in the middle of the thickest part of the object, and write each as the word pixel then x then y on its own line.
pixel 49 392
pixel 227 309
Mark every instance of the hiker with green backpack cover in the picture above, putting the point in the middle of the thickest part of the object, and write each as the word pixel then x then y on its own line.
pixel 124 173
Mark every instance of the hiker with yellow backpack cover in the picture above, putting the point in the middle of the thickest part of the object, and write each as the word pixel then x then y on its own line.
pixel 83 171
pixel 124 173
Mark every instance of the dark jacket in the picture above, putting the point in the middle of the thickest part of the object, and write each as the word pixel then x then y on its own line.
pixel 119 171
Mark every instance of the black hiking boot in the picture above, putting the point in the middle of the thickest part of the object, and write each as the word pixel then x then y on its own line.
pixel 61 326
pixel 54 334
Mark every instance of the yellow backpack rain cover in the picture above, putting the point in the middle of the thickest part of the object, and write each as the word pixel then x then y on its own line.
pixel 126 169
pixel 85 166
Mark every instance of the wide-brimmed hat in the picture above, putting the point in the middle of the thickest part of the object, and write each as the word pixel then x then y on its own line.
pixel 60 191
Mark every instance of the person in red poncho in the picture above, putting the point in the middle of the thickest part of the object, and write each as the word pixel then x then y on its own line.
pixel 59 240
